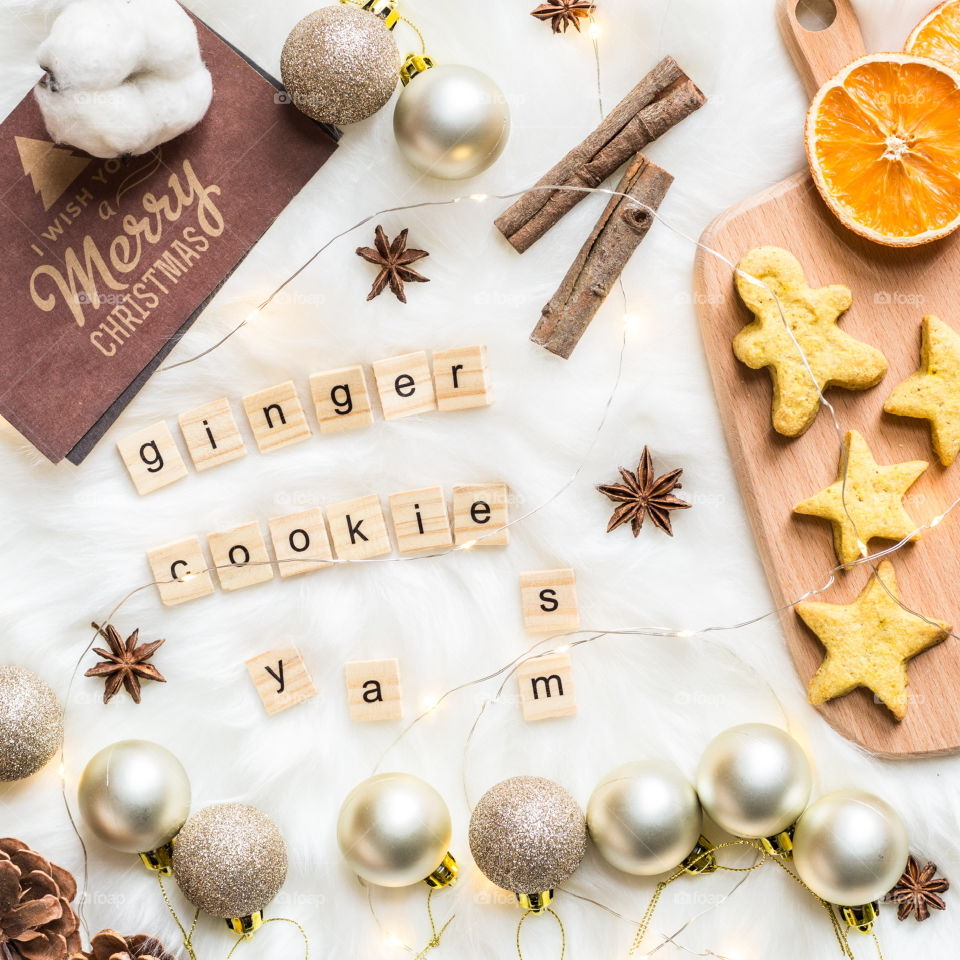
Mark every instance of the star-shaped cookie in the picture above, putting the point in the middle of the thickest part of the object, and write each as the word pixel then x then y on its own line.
pixel 869 642
pixel 869 503
pixel 933 392
pixel 834 358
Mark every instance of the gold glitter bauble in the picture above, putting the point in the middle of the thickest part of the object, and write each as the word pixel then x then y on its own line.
pixel 230 860
pixel 340 64
pixel 31 723
pixel 528 835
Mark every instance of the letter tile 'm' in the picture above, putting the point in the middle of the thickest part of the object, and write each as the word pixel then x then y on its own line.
pixel 211 434
pixel 373 690
pixel 240 556
pixel 152 458
pixel 549 600
pixel 405 385
pixel 281 679
pixel 460 378
pixel 276 417
pixel 480 514
pixel 341 399
pixel 546 687
pixel 420 519
pixel 358 529
pixel 300 542
pixel 180 571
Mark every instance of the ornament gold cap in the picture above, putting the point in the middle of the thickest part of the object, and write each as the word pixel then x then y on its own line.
pixel 416 63
pixel 386 10
pixel 702 858
pixel 160 859
pixel 535 902
pixel 445 875
pixel 779 846
pixel 246 926
pixel 861 918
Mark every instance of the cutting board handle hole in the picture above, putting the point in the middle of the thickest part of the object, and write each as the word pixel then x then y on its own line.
pixel 816 15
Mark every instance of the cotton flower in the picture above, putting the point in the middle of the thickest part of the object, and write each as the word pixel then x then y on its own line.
pixel 121 76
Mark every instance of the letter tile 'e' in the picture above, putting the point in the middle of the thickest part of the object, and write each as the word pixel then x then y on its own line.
pixel 549 600
pixel 281 679
pixel 480 514
pixel 152 458
pixel 300 542
pixel 420 519
pixel 373 690
pixel 546 687
pixel 211 434
pixel 276 417
pixel 180 571
pixel 240 556
pixel 341 399
pixel 405 385
pixel 460 378
pixel 358 529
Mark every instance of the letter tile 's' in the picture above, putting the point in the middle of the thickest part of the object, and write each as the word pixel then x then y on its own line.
pixel 420 519
pixel 211 434
pixel 460 378
pixel 480 513
pixel 240 556
pixel 281 679
pixel 180 571
pixel 405 385
pixel 276 417
pixel 341 399
pixel 358 529
pixel 300 542
pixel 549 601
pixel 373 690
pixel 546 687
pixel 152 458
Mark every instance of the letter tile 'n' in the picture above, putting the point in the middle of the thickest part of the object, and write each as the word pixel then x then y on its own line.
pixel 546 687
pixel 276 417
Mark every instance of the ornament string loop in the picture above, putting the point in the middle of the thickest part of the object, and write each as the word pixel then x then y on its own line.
pixel 563 932
pixel 435 934
pixel 185 935
pixel 303 933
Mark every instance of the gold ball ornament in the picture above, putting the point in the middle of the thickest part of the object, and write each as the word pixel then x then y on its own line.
pixel 340 64
pixel 31 723
pixel 230 860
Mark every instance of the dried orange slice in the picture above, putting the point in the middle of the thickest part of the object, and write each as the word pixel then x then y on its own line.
pixel 937 35
pixel 883 142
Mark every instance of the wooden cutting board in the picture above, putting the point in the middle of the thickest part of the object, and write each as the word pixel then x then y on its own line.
pixel 892 290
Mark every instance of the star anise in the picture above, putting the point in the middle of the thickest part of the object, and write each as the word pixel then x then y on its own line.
pixel 564 13
pixel 394 260
pixel 125 663
pixel 918 890
pixel 642 495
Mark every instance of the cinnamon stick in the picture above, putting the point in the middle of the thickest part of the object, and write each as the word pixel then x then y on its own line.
pixel 602 258
pixel 659 101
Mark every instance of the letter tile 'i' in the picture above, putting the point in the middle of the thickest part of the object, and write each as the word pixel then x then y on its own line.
pixel 420 520
pixel 211 434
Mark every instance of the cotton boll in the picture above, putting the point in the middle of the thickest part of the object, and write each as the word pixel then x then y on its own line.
pixel 174 105
pixel 170 45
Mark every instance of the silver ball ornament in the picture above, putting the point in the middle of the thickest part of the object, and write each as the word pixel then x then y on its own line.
pixel 754 780
pixel 644 818
pixel 394 830
pixel 451 121
pixel 850 847
pixel 528 835
pixel 230 860
pixel 340 64
pixel 31 723
pixel 134 795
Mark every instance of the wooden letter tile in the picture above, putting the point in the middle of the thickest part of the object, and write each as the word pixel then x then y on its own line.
pixel 281 679
pixel 276 417
pixel 420 519
pixel 549 601
pixel 152 457
pixel 300 542
pixel 358 528
pixel 405 385
pixel 460 377
pixel 373 690
pixel 479 508
pixel 341 399
pixel 240 556
pixel 211 434
pixel 180 571
pixel 546 687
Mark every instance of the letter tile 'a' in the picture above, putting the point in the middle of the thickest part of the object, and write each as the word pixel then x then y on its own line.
pixel 373 690
pixel 546 687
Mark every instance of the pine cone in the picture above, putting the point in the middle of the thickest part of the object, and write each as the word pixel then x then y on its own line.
pixel 110 945
pixel 36 919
